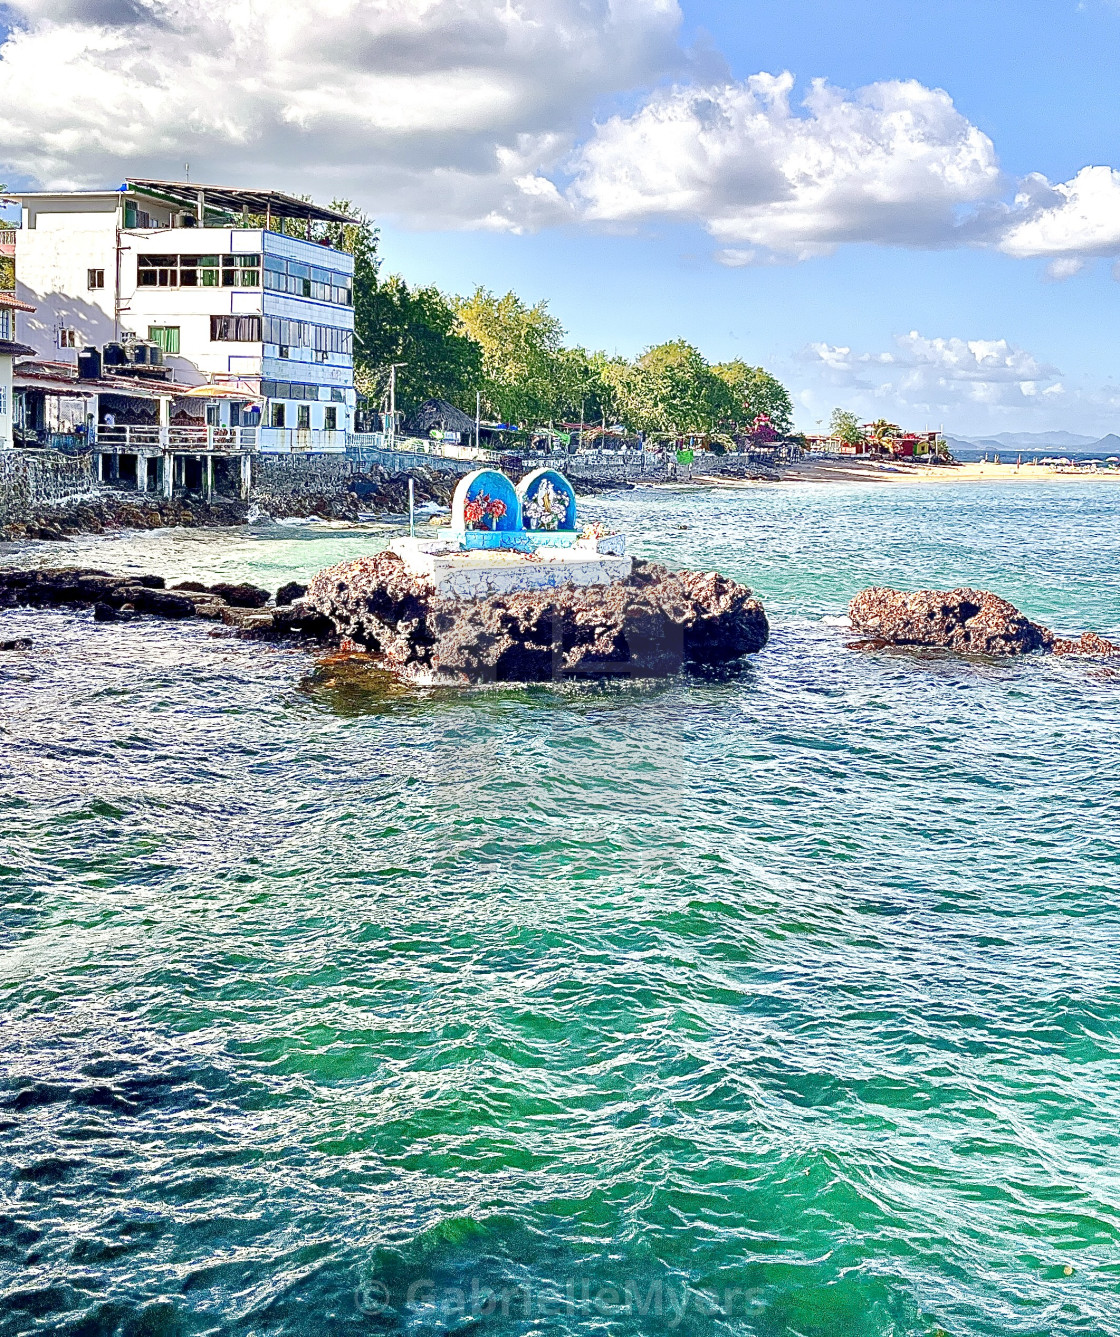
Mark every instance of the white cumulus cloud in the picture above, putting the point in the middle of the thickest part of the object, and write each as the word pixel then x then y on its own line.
pixel 445 110
pixel 1068 222
pixel 894 163
pixel 923 380
pixel 482 113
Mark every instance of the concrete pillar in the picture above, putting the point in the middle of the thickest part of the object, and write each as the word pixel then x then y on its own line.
pixel 141 472
pixel 168 464
pixel 209 476
pixel 246 477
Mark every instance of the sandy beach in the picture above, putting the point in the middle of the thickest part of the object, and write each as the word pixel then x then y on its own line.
pixel 853 470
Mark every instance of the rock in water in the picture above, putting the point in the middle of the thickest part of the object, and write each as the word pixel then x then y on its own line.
pixel 648 625
pixel 241 596
pixel 967 621
pixel 289 593
pixel 103 612
pixel 1089 644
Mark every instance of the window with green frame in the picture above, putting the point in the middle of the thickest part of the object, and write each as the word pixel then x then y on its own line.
pixel 166 336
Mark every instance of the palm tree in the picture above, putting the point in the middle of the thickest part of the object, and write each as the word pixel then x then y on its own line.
pixel 881 430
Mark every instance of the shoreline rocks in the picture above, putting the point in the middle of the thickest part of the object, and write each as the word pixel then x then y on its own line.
pixel 121 598
pixel 96 515
pixel 964 620
pixel 649 625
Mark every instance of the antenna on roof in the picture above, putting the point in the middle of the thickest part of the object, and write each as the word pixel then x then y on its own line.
pixel 187 171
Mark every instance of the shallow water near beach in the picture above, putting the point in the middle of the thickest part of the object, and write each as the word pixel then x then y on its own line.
pixel 777 1001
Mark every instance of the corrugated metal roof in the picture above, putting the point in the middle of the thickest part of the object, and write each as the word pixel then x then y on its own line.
pixel 186 193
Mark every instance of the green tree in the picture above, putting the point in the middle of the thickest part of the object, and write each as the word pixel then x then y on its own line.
pixel 672 389
pixel 846 427
pixel 757 392
pixel 527 375
pixel 394 323
pixel 416 327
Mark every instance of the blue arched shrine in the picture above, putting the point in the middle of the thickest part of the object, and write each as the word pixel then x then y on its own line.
pixel 510 530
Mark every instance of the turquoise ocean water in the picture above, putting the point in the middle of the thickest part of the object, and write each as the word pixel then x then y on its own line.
pixel 784 1001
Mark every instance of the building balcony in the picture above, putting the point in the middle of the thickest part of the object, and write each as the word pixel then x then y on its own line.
pixel 193 440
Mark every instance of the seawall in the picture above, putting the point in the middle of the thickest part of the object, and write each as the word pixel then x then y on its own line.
pixel 31 482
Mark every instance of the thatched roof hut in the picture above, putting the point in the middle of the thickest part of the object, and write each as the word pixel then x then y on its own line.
pixel 438 415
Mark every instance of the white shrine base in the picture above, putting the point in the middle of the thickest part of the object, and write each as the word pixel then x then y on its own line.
pixel 474 574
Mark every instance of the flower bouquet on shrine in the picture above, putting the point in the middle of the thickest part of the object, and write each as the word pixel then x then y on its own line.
pixel 483 511
pixel 547 508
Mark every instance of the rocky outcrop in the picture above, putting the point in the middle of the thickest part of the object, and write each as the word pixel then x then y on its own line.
pixel 649 625
pixel 96 515
pixel 966 621
pixel 122 598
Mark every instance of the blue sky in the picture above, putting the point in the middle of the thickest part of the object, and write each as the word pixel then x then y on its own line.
pixel 921 240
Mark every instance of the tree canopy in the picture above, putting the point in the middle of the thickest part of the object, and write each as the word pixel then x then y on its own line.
pixel 757 394
pixel 846 426
pixel 525 373
pixel 415 328
pixel 517 357
pixel 672 389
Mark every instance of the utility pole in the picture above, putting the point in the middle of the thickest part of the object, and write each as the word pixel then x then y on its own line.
pixel 392 433
pixel 477 419
pixel 582 402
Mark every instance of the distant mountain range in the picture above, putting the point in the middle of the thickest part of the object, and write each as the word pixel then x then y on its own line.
pixel 1039 443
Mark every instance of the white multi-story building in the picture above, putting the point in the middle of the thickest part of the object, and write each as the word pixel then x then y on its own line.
pixel 264 318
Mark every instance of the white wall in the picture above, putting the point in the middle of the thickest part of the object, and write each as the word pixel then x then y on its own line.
pixel 6 406
pixel 55 249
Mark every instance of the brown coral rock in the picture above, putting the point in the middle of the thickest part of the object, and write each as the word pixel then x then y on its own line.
pixel 648 625
pixel 964 620
pixel 1089 644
